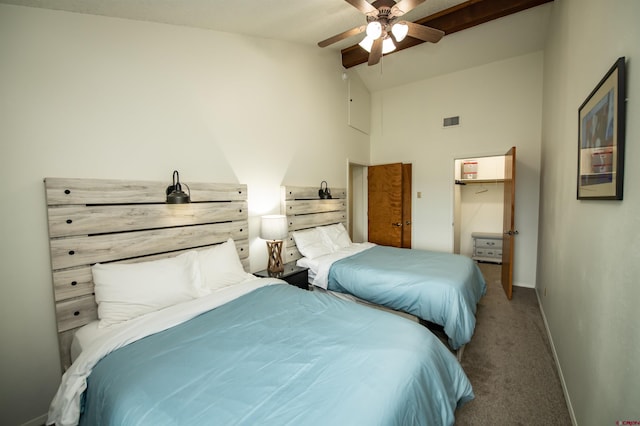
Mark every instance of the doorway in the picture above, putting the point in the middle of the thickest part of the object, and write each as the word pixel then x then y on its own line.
pixel 484 205
pixel 379 203
pixel 478 200
pixel 357 202
pixel 389 204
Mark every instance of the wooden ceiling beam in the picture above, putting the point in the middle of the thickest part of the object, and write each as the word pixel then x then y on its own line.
pixel 456 18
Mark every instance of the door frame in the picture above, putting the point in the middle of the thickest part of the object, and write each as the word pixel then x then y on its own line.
pixel 457 199
pixel 357 201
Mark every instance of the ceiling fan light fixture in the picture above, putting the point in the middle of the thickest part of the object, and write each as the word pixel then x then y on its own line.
pixel 388 45
pixel 374 30
pixel 400 31
pixel 383 30
pixel 366 43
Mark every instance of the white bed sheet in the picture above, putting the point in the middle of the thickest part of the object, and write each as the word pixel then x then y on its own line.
pixel 86 334
pixel 65 407
pixel 319 267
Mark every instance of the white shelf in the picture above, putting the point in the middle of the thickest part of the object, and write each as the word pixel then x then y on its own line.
pixel 468 181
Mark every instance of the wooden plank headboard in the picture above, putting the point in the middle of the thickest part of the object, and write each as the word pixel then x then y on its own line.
pixel 304 209
pixel 96 220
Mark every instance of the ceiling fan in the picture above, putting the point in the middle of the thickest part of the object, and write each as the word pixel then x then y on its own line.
pixel 384 29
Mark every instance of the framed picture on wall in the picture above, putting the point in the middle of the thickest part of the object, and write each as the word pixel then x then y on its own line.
pixel 601 132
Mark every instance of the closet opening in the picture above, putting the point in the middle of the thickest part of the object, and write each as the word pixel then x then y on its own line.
pixel 484 211
pixel 478 207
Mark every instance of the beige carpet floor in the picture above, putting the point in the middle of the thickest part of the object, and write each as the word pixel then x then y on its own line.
pixel 510 363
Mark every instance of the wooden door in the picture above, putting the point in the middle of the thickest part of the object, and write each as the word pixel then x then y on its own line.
pixel 389 204
pixel 508 221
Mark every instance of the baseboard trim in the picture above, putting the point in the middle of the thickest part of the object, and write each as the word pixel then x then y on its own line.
pixel 38 421
pixel 565 391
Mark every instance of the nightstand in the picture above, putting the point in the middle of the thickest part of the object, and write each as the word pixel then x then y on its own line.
pixel 487 247
pixel 293 274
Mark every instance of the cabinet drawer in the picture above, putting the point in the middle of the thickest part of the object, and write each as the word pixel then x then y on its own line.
pixel 488 243
pixel 488 252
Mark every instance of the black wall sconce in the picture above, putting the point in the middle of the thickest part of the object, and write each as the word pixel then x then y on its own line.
pixel 324 193
pixel 175 195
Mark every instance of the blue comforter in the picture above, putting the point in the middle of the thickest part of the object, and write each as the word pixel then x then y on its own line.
pixel 280 356
pixel 439 287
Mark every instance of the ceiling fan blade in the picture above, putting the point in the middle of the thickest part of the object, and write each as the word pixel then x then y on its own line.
pixel 403 6
pixel 364 7
pixel 424 33
pixel 342 36
pixel 376 51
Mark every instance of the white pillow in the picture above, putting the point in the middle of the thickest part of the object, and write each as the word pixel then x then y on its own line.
pixel 336 236
pixel 221 267
pixel 126 291
pixel 311 243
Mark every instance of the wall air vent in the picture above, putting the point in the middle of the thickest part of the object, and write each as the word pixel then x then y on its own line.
pixel 451 121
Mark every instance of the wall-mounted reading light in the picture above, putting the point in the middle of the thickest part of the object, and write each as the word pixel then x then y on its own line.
pixel 175 195
pixel 324 192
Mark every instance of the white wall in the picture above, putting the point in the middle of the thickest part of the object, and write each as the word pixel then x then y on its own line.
pixel 88 96
pixel 589 251
pixel 500 106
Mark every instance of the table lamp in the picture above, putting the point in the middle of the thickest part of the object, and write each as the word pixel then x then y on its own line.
pixel 274 229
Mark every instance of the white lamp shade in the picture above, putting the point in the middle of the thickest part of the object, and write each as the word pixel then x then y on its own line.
pixel 387 45
pixel 274 227
pixel 400 31
pixel 366 43
pixel 374 29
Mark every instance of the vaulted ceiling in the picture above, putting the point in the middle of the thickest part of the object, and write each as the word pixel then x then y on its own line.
pixel 520 30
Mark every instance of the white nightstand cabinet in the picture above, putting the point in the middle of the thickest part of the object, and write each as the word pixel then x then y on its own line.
pixel 487 247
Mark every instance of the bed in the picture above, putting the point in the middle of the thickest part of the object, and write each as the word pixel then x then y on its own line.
pixel 171 329
pixel 435 287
